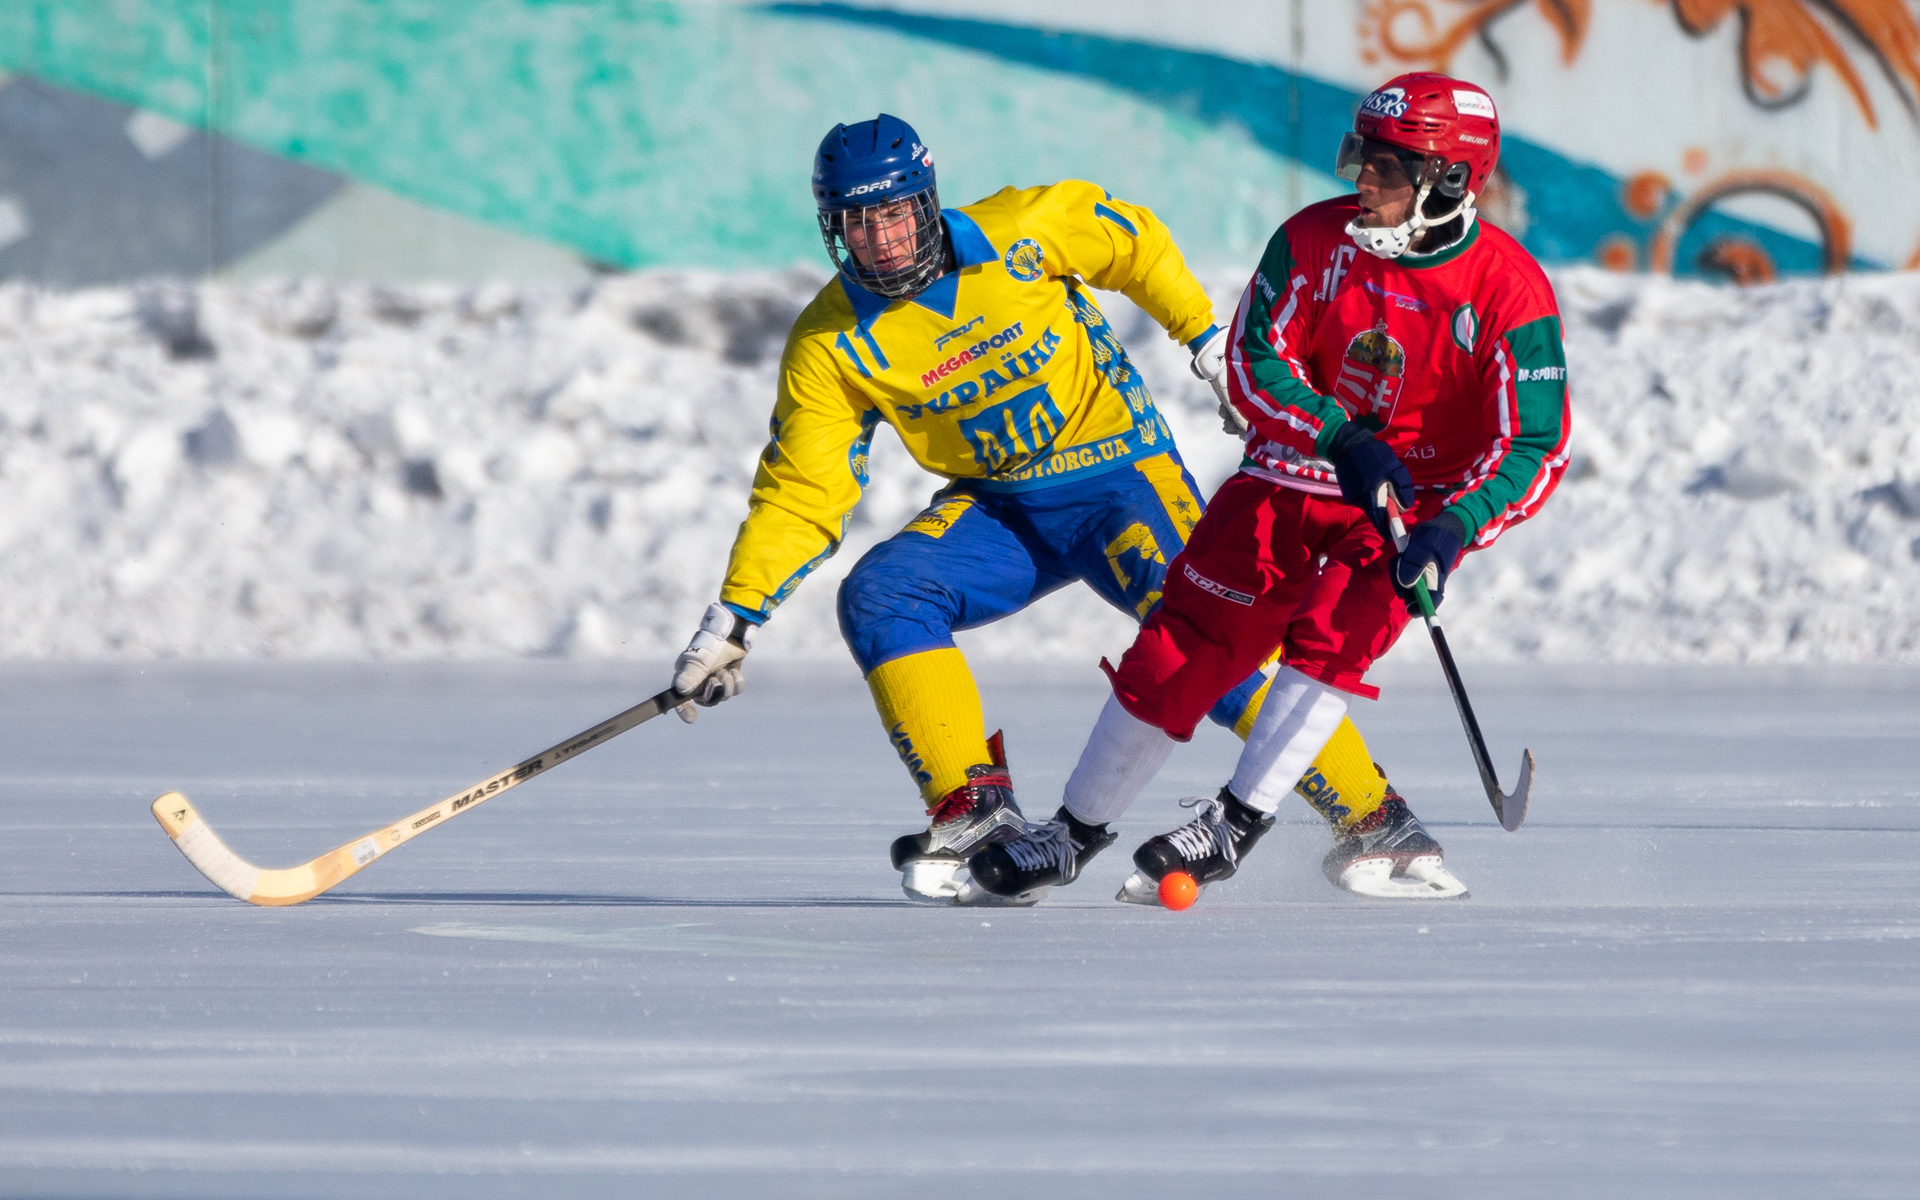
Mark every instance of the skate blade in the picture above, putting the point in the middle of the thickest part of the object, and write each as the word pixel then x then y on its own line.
pixel 1424 879
pixel 1141 888
pixel 932 881
pixel 972 895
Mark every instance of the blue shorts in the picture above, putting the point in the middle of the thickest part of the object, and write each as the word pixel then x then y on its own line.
pixel 975 556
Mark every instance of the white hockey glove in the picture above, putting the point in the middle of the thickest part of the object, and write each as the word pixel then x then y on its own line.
pixel 708 670
pixel 1210 364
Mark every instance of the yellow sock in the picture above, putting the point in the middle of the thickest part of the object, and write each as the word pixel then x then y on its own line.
pixel 1343 784
pixel 930 708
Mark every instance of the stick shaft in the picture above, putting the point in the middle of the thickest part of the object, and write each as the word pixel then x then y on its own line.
pixel 542 762
pixel 291 885
pixel 1476 742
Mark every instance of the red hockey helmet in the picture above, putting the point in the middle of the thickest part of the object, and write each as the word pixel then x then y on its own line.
pixel 1448 125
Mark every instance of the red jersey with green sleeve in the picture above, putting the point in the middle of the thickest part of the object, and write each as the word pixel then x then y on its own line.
pixel 1454 359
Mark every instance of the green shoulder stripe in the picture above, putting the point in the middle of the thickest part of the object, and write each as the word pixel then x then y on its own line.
pixel 1539 373
pixel 1272 287
pixel 1538 360
pixel 1270 281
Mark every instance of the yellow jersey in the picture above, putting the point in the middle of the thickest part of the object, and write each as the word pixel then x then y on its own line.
pixel 1003 372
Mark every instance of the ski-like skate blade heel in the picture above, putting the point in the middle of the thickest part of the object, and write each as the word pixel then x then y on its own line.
pixel 938 881
pixel 972 895
pixel 1142 888
pixel 1424 879
pixel 932 880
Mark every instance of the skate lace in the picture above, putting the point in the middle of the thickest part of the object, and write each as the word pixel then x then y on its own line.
pixel 1045 847
pixel 963 802
pixel 1206 833
pixel 956 806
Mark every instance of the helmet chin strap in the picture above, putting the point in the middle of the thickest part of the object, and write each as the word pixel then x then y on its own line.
pixel 1391 241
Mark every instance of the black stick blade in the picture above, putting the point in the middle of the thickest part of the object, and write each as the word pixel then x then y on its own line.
pixel 1512 807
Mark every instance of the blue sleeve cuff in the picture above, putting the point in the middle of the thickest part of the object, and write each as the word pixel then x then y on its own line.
pixel 1204 337
pixel 746 614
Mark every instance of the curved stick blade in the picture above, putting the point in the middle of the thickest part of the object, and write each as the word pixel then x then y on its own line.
pixel 278 886
pixel 1512 806
pixel 204 849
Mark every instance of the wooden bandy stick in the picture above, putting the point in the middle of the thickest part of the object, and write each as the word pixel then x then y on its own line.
pixel 290 885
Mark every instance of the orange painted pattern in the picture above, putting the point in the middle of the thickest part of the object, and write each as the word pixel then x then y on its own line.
pixel 1427 33
pixel 1782 41
pixel 1787 32
pixel 1836 232
pixel 1645 193
pixel 1740 259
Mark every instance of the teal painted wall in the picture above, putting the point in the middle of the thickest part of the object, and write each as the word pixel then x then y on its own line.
pixel 642 134
pixel 662 134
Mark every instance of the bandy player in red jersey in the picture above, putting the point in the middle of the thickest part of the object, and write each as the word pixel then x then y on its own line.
pixel 1389 342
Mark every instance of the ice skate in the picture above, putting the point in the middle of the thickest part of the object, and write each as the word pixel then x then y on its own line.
pixel 1209 847
pixel 1389 855
pixel 1021 872
pixel 970 818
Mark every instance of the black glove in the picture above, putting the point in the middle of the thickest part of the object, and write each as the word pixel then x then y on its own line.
pixel 1362 462
pixel 1433 546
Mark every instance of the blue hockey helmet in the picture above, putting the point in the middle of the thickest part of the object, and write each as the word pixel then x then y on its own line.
pixel 859 165
pixel 879 210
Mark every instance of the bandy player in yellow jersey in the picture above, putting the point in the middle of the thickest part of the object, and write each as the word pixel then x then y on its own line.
pixel 972 333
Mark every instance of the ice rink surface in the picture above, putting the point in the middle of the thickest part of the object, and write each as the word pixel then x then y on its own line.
pixel 681 966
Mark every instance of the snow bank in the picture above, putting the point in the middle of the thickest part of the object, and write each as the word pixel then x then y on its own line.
pixel 1745 485
pixel 311 471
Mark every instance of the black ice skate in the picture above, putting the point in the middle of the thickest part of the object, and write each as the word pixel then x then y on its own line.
pixel 980 814
pixel 1021 872
pixel 1389 855
pixel 1209 847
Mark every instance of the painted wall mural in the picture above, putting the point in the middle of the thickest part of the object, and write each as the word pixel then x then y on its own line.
pixel 1735 139
pixel 1781 45
pixel 1781 41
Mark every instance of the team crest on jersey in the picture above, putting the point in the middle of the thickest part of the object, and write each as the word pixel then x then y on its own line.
pixel 1466 327
pixel 1370 374
pixel 1023 260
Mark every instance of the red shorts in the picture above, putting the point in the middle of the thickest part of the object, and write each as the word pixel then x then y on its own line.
pixel 1267 566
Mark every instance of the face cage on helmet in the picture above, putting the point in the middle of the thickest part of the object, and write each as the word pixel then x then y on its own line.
pixel 1427 173
pixel 1421 170
pixel 921 263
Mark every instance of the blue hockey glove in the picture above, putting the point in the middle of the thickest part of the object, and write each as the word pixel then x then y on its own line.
pixel 1433 546
pixel 1362 463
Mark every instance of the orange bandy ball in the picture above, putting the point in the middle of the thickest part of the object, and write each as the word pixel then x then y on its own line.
pixel 1178 891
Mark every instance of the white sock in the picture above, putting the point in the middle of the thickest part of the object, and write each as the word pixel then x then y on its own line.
pixel 1294 725
pixel 1121 757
